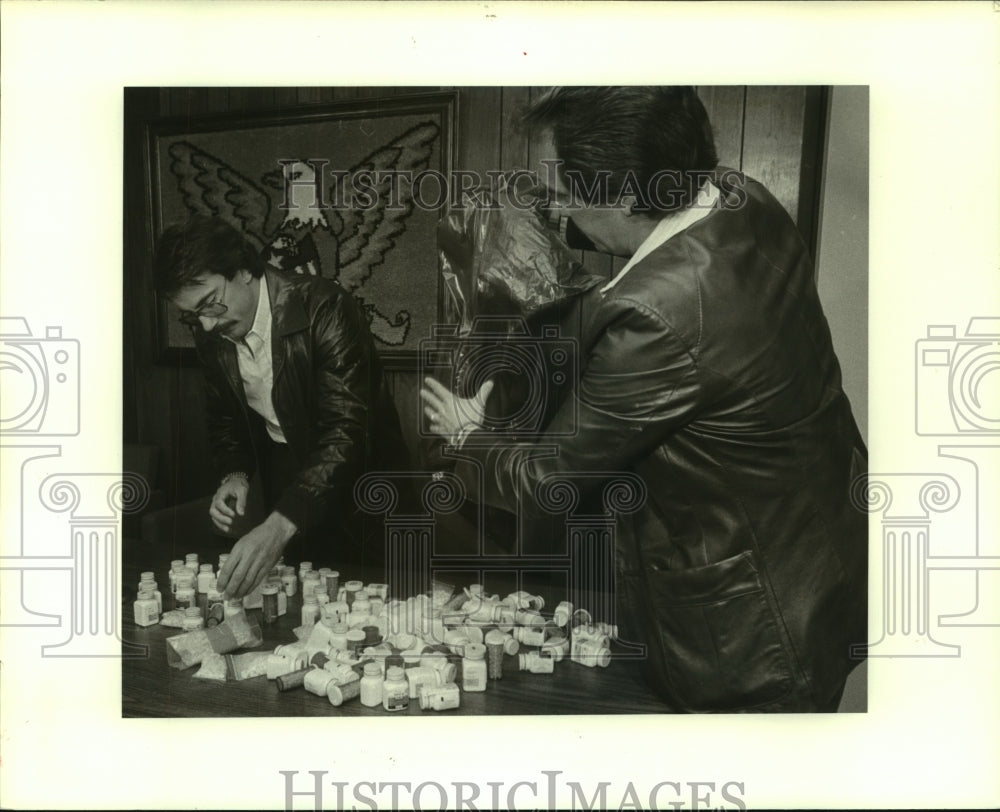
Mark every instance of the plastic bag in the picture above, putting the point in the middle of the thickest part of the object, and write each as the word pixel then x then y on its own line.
pixel 500 257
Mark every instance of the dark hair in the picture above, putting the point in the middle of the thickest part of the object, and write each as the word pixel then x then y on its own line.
pixel 199 246
pixel 653 142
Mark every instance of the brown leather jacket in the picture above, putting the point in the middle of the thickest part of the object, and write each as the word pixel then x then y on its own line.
pixel 329 393
pixel 708 371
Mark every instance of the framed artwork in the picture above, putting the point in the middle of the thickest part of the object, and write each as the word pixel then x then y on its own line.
pixel 350 190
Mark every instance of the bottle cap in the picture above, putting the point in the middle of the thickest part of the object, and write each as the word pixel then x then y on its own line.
pixel 339 628
pixel 286 571
pixel 191 557
pixel 269 589
pixel 355 636
pixel 475 651
pixel 353 586
pixel 305 565
pixel 324 571
pixel 205 568
pixel 394 673
pixel 192 611
pixel 176 563
pixel 495 637
pixel 312 575
pixel 147 576
pixel 372 670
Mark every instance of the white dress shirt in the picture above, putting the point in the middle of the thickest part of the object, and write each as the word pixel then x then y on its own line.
pixel 253 352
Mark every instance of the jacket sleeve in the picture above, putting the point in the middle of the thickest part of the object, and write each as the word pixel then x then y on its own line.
pixel 345 380
pixel 638 383
pixel 228 430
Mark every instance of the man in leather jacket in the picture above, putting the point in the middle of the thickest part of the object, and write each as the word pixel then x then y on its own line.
pixel 707 369
pixel 294 390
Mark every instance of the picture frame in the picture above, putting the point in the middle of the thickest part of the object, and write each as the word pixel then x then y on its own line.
pixel 350 190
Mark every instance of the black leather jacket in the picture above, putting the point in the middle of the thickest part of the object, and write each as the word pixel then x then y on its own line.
pixel 708 371
pixel 329 393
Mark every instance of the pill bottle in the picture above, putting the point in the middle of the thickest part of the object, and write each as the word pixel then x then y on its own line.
pixel 321 597
pixel 317 680
pixel 351 590
pixel 269 608
pixel 590 653
pixel 419 676
pixel 144 610
pixel 474 668
pixel 323 572
pixel 205 575
pixel 439 698
pixel 395 691
pixel 380 591
pixel 361 603
pixel 146 581
pixel 517 600
pixel 338 635
pixel 371 686
pixel 191 562
pixel 275 581
pixel 223 558
pixel 562 614
pixel 310 610
pixel 216 611
pixel 456 640
pixel 185 597
pixel 581 617
pixel 289 583
pixel 175 566
pixel 332 585
pixel 556 647
pixel 232 606
pixel 529 617
pixel 309 583
pixel 530 635
pixel 304 567
pixel 355 641
pixel 278 665
pixel 534 663
pixel 341 692
pixel 193 619
pixel 372 636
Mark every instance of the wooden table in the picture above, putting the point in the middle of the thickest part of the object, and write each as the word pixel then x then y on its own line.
pixel 151 688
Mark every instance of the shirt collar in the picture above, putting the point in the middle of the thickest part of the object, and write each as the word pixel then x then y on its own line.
pixel 261 326
pixel 669 227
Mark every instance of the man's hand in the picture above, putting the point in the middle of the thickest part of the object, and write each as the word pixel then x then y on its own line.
pixel 234 490
pixel 253 556
pixel 451 416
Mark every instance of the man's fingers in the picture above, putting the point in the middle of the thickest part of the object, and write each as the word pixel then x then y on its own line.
pixel 234 584
pixel 484 390
pixel 433 401
pixel 438 388
pixel 241 501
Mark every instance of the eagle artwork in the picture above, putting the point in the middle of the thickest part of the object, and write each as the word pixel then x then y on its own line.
pixel 288 215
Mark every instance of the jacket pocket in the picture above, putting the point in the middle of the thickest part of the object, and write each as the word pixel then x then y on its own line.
pixel 721 646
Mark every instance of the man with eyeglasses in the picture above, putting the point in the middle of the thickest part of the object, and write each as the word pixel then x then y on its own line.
pixel 294 389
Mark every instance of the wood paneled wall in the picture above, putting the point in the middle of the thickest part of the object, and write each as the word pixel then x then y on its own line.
pixel 772 133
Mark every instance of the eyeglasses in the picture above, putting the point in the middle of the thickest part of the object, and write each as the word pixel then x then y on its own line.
pixel 209 310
